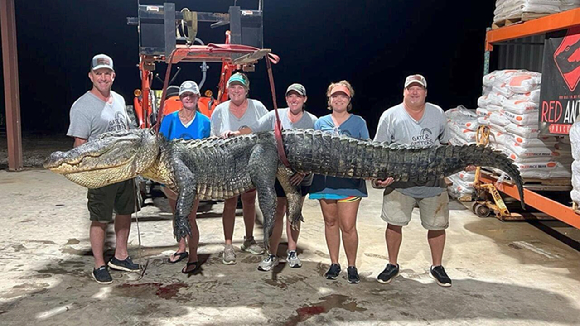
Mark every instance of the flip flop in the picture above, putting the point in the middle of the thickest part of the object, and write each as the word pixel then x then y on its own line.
pixel 186 267
pixel 181 256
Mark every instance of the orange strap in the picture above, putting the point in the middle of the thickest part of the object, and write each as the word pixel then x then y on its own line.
pixel 278 124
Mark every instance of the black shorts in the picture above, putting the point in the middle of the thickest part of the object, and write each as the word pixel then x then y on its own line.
pixel 119 197
pixel 281 193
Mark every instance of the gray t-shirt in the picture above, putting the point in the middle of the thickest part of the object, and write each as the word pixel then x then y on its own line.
pixel 222 119
pixel 90 116
pixel 397 126
pixel 268 121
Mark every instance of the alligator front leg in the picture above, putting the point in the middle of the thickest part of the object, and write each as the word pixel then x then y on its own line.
pixel 293 196
pixel 262 165
pixel 187 185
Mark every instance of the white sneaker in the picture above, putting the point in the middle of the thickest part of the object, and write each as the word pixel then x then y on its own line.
pixel 268 263
pixel 251 246
pixel 229 255
pixel 293 260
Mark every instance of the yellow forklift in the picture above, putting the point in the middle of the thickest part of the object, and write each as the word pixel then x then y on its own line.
pixel 488 198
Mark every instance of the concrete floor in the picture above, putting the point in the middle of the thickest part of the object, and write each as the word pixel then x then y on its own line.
pixel 504 273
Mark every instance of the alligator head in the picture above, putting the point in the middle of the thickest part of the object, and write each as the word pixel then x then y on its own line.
pixel 112 157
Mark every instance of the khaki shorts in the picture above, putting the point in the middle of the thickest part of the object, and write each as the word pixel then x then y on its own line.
pixel 119 197
pixel 434 211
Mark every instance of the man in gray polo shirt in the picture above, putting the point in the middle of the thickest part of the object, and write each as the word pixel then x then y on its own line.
pixel 98 111
pixel 421 124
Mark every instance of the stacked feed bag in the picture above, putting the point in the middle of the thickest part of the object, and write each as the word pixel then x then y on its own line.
pixel 514 9
pixel 569 4
pixel 575 149
pixel 509 105
pixel 462 126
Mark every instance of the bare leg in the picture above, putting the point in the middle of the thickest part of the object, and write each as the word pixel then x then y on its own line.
pixel 249 211
pixel 347 213
pixel 122 229
pixel 393 237
pixel 194 238
pixel 278 222
pixel 97 233
pixel 229 218
pixel 436 240
pixel 331 230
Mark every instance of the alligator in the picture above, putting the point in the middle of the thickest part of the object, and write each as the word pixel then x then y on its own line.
pixel 216 168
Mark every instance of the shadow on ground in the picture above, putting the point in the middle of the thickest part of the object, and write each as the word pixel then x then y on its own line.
pixel 222 295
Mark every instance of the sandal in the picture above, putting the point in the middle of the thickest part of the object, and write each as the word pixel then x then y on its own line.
pixel 180 256
pixel 184 270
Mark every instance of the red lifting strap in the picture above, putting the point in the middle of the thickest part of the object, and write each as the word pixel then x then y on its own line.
pixel 278 124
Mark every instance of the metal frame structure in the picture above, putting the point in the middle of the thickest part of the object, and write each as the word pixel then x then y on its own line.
pixel 541 25
pixel 159 43
pixel 546 24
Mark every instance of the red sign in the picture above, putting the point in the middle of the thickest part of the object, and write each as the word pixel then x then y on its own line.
pixel 559 100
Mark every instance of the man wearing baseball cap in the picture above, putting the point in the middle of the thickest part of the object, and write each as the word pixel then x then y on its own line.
pixel 98 111
pixel 418 123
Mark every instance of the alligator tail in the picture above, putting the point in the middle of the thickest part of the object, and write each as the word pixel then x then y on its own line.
pixel 346 157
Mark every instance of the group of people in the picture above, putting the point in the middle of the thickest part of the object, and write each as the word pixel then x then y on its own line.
pixel 413 122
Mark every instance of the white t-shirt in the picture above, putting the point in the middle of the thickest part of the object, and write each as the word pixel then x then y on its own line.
pixel 222 119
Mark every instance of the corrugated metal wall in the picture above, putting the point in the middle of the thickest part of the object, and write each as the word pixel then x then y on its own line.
pixel 524 53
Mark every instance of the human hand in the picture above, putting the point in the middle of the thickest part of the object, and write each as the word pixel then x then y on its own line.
pixel 229 133
pixel 470 168
pixel 297 178
pixel 378 183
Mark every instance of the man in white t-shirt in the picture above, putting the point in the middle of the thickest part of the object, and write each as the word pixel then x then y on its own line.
pixel 418 123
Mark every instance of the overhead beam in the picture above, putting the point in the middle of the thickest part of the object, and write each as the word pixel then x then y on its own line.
pixel 549 23
pixel 11 90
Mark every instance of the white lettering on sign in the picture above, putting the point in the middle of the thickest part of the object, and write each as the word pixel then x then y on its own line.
pixel 571 111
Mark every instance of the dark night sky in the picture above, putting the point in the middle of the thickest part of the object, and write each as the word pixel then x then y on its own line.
pixel 373 44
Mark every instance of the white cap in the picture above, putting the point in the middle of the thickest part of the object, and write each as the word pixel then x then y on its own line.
pixel 189 86
pixel 415 79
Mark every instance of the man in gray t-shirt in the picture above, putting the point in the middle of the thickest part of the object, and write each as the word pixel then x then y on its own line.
pixel 414 122
pixel 97 111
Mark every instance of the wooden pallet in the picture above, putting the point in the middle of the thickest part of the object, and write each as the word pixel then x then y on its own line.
pixel 548 182
pixel 537 184
pixel 464 198
pixel 553 184
pixel 517 19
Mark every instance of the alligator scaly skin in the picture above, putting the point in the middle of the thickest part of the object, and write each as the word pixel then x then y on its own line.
pixel 215 168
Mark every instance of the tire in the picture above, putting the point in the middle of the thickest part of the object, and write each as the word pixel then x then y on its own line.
pixel 482 210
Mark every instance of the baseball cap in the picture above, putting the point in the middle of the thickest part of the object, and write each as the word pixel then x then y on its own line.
pixel 340 88
pixel 189 86
pixel 298 88
pixel 101 61
pixel 415 79
pixel 240 79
